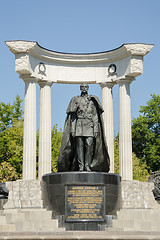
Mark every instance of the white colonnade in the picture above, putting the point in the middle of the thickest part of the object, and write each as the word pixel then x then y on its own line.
pixel 35 64
pixel 125 136
pixel 45 128
pixel 107 103
pixel 29 138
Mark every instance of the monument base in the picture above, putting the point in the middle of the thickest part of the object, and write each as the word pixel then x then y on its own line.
pixel 82 200
pixel 24 211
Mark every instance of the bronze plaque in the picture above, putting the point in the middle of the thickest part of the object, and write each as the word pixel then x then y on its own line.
pixel 84 203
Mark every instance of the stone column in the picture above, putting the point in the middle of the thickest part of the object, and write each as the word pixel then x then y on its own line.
pixel 45 129
pixel 107 103
pixel 125 136
pixel 29 138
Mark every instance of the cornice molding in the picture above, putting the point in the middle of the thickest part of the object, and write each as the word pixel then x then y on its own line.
pixel 36 50
pixel 138 49
pixel 20 46
pixel 31 58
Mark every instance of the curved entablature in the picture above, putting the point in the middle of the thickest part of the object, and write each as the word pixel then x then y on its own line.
pixel 35 49
pixel 43 64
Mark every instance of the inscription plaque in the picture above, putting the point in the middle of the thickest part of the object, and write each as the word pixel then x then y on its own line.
pixel 84 203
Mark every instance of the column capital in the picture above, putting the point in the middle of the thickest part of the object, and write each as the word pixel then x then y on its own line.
pixel 43 83
pixel 127 80
pixel 107 84
pixel 28 78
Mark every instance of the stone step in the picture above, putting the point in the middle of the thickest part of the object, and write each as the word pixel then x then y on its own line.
pixel 27 214
pixel 139 214
pixel 138 211
pixel 83 235
pixel 51 225
pixel 13 218
pixel 31 220
pixel 120 225
pixel 14 211
pixel 137 220
pixel 1 212
pixel 24 226
pixel 2 220
pixel 37 214
pixel 7 228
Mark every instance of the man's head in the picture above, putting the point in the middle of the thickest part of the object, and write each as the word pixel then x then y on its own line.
pixel 84 88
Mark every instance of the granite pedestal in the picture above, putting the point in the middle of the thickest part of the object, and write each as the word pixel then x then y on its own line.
pixel 82 200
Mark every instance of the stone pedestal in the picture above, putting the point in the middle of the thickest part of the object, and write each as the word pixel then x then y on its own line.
pixel 24 194
pixel 81 200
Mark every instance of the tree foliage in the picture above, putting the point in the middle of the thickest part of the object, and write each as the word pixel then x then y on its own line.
pixel 146 134
pixel 7 172
pixel 56 138
pixel 10 113
pixel 11 137
pixel 11 141
pixel 56 144
pixel 140 172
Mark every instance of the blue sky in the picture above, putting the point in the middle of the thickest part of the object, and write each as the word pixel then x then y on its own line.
pixel 80 26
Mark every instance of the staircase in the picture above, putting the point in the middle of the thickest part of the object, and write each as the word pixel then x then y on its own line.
pixel 19 220
pixel 136 220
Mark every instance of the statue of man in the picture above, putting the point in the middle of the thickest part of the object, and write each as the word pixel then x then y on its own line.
pixel 84 127
pixel 83 145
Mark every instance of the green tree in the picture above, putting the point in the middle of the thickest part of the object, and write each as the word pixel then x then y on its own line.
pixel 146 134
pixel 140 172
pixel 7 172
pixel 11 141
pixel 10 113
pixel 11 135
pixel 56 138
pixel 6 111
pixel 17 110
pixel 56 144
pixel 11 146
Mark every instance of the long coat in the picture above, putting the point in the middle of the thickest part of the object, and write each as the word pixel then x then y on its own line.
pixel 67 160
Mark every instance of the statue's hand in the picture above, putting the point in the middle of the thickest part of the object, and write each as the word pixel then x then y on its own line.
pixel 95 134
pixel 73 134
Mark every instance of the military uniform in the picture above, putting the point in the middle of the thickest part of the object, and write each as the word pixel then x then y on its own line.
pixel 84 126
pixel 84 147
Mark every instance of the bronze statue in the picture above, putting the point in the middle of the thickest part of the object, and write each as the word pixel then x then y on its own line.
pixel 83 145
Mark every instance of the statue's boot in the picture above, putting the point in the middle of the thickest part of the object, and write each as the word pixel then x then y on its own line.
pixel 81 164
